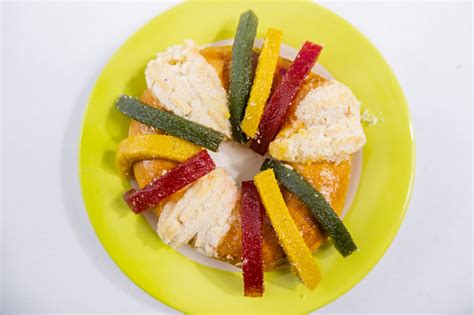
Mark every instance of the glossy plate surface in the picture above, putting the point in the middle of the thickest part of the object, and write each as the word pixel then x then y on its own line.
pixel 376 212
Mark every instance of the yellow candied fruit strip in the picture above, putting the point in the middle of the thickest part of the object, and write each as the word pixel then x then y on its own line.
pixel 288 234
pixel 262 83
pixel 148 147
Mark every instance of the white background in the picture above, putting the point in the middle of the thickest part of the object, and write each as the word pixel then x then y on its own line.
pixel 51 260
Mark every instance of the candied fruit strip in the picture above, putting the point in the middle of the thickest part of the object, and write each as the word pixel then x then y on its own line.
pixel 262 83
pixel 315 201
pixel 241 71
pixel 251 220
pixel 161 187
pixel 170 123
pixel 148 147
pixel 275 112
pixel 289 236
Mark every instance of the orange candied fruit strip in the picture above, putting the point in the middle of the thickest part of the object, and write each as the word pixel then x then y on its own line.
pixel 288 234
pixel 262 84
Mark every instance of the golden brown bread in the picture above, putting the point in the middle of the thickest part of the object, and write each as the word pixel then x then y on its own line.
pixel 329 178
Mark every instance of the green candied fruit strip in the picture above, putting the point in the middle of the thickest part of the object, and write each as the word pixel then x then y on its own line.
pixel 170 123
pixel 241 71
pixel 319 207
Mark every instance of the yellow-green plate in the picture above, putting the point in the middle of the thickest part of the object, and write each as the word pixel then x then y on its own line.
pixel 375 214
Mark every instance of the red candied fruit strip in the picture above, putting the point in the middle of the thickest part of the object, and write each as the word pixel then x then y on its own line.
pixel 161 187
pixel 285 92
pixel 251 220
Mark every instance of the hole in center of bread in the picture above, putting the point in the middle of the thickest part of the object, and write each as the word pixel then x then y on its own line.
pixel 238 160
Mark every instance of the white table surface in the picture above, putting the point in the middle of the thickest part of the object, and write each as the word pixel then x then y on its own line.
pixel 51 260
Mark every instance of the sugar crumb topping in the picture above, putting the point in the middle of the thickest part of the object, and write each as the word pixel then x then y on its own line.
pixel 183 81
pixel 203 214
pixel 326 127
pixel 369 119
